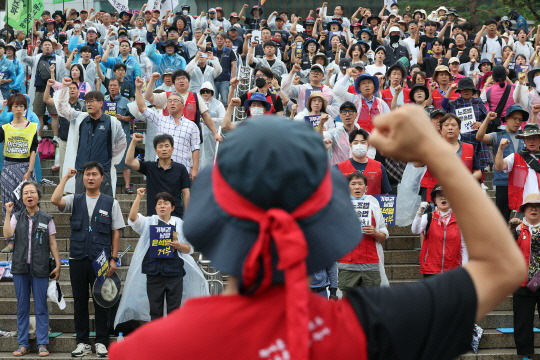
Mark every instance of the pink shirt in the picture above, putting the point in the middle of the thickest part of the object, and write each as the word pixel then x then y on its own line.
pixel 52 231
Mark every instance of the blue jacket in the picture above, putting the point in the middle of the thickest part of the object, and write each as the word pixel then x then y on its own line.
pixel 7 69
pixel 164 61
pixel 73 44
pixel 133 68
pixel 17 85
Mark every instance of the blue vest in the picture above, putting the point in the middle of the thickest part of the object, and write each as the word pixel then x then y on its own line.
pixel 88 238
pixel 500 178
pixel 164 267
pixel 225 62
pixel 95 146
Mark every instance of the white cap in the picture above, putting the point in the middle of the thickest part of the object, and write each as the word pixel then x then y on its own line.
pixel 91 28
pixel 394 28
pixel 54 293
pixel 318 66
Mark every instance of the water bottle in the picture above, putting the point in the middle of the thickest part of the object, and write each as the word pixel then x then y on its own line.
pixel 144 138
pixel 120 337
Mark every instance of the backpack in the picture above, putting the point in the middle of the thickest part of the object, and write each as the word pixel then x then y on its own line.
pixel 484 42
pixel 46 148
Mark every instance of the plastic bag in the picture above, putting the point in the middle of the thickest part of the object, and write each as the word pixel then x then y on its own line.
pixel 408 200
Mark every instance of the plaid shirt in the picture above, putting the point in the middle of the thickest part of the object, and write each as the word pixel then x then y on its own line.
pixel 480 111
pixel 185 134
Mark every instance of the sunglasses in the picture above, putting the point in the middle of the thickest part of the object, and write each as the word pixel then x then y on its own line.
pixel 206 91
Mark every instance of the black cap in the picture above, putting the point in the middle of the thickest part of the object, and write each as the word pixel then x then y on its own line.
pixel 347 105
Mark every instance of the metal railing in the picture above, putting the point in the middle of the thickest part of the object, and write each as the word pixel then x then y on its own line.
pixel 214 277
pixel 245 75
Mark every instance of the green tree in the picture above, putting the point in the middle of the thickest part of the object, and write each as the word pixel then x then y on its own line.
pixel 530 9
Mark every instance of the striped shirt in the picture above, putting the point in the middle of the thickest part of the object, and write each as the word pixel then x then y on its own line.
pixel 185 134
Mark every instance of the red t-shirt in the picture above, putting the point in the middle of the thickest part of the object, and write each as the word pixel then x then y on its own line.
pixel 245 327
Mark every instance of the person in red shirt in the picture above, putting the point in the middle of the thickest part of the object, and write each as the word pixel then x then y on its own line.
pixel 377 179
pixel 279 212
pixel 396 74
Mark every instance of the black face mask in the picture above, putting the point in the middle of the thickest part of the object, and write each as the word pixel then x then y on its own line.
pixel 260 82
pixel 139 51
pixel 394 38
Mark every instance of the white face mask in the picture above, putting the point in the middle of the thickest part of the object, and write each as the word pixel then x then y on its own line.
pixel 185 12
pixel 256 111
pixel 359 150
pixel 537 82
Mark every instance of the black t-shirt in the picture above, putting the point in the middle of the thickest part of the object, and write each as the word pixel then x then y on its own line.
pixel 430 319
pixel 172 180
pixel 430 63
pixel 427 50
pixel 278 104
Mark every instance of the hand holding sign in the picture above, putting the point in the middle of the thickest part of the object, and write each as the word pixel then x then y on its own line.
pixel 467 117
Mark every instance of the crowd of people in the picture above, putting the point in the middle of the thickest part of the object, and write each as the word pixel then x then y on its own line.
pixel 196 81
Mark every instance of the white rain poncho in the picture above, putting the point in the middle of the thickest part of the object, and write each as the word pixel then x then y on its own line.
pixel 134 303
pixel 408 200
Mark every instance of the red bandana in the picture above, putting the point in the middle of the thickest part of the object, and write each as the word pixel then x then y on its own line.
pixel 282 227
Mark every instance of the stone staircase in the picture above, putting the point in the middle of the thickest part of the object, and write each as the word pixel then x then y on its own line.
pixel 401 258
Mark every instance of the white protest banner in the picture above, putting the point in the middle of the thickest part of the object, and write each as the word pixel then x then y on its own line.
pixel 119 5
pixel 467 117
pixel 256 36
pixel 363 211
pixel 389 3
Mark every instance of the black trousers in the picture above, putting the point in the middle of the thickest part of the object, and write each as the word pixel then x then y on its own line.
pixel 525 302
pixel 82 279
pixel 501 200
pixel 159 288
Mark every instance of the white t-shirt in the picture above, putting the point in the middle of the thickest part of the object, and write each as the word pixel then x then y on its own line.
pixel 492 45
pixel 531 182
pixel 373 69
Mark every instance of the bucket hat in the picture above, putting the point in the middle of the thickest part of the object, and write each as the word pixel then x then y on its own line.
pixel 257 96
pixel 107 293
pixel 533 198
pixel 529 130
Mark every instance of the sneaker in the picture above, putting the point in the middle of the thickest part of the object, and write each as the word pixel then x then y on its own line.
pixel 45 127
pixel 101 350
pixel 56 139
pixel 7 249
pixel 55 168
pixel 81 350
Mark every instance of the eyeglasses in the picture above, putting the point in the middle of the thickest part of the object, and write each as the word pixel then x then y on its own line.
pixel 206 91
pixel 91 101
pixel 181 78
pixel 514 118
pixel 347 112
pixel 314 72
pixel 174 101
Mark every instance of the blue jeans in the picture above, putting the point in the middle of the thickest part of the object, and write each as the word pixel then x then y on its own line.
pixel 222 88
pixel 39 285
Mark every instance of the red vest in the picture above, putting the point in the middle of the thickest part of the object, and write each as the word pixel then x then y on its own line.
pixel 373 172
pixel 335 331
pixel 516 182
pixel 365 252
pixel 191 108
pixel 437 98
pixel 441 249
pixel 467 154
pixel 270 99
pixel 365 117
pixel 524 243
pixel 387 96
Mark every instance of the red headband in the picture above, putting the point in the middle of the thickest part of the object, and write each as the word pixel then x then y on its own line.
pixel 291 245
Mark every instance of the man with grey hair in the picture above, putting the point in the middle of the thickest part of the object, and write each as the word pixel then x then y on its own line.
pixel 185 133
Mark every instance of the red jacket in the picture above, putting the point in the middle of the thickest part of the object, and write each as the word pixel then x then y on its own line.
pixel 437 98
pixel 387 96
pixel 441 249
pixel 373 172
pixel 366 115
pixel 365 252
pixel 429 181
pixel 524 243
pixel 335 330
pixel 516 182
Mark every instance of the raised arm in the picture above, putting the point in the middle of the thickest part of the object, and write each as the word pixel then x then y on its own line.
pixel 500 162
pixel 228 124
pixel 481 133
pixel 56 198
pixel 496 265
pixel 478 38
pixel 134 211
pixel 141 105
pixel 130 161
pixel 62 102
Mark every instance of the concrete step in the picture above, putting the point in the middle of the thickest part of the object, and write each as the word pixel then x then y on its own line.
pixel 9 307
pixel 403 242
pixel 492 339
pixel 399 257
pixel 64 343
pixel 53 355
pixel 494 354
pixel 57 323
